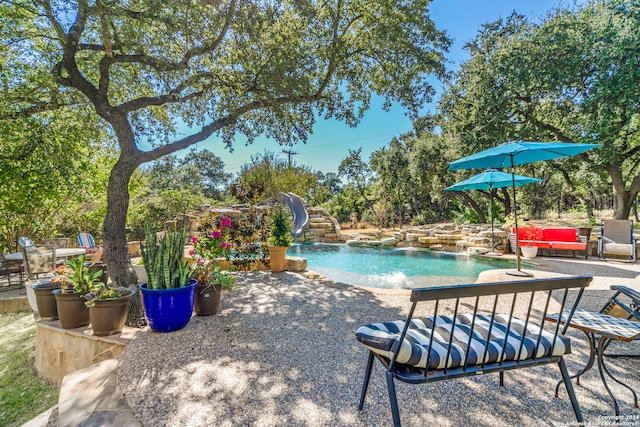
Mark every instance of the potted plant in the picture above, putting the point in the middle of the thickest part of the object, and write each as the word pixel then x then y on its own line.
pixel 45 300
pixel 585 227
pixel 168 294
pixel 75 281
pixel 43 291
pixel 528 249
pixel 212 279
pixel 108 308
pixel 279 239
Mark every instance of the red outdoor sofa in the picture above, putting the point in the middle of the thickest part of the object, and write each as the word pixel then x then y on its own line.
pixel 551 238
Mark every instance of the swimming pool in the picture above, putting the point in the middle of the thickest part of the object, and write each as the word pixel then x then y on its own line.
pixel 392 268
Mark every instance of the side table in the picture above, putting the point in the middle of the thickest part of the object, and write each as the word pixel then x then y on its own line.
pixel 601 329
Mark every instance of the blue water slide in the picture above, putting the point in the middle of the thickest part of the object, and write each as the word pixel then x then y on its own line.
pixel 300 215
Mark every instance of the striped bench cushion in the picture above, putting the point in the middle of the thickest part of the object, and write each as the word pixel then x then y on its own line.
pixel 380 337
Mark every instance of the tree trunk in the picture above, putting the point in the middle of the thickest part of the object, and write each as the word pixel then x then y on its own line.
pixel 505 199
pixel 621 204
pixel 116 251
pixel 622 198
pixel 476 207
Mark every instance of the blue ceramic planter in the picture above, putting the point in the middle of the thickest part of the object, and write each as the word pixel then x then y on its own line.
pixel 168 310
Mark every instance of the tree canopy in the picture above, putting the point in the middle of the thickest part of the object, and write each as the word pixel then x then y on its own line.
pixel 52 179
pixel 224 68
pixel 572 77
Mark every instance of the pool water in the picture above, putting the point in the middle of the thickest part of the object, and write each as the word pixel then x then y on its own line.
pixel 392 268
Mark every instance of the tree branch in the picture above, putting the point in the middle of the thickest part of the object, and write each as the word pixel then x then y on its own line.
pixel 56 25
pixel 218 124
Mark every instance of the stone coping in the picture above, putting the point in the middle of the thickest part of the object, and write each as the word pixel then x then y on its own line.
pixel 123 338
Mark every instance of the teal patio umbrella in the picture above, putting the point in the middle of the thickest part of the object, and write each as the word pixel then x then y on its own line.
pixel 519 153
pixel 488 180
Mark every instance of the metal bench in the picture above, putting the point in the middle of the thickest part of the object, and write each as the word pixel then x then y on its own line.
pixel 466 335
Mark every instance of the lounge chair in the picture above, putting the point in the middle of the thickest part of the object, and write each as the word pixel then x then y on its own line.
pixel 616 240
pixel 94 252
pixel 86 240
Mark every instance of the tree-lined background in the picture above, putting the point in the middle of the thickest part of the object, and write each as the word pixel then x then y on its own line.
pixel 86 82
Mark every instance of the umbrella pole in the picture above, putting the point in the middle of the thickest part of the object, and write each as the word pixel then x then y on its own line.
pixel 518 272
pixel 493 245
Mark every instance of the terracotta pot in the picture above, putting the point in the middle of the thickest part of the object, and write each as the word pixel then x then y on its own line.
pixel 207 299
pixel 277 258
pixel 108 315
pixel 71 310
pixel 585 232
pixel 45 301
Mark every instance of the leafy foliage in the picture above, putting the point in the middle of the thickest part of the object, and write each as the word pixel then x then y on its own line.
pixel 571 77
pixel 211 245
pixel 248 237
pixel 52 179
pixel 280 232
pixel 267 175
pixel 101 291
pixel 81 278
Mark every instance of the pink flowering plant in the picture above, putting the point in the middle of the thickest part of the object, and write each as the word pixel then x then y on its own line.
pixel 211 245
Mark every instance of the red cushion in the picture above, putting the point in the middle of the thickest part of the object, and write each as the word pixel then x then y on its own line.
pixel 529 233
pixel 570 246
pixel 566 234
pixel 539 243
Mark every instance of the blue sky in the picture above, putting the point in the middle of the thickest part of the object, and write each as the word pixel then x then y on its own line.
pixel 331 140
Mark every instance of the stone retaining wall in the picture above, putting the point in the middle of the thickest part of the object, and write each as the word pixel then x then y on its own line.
pixel 474 239
pixel 323 228
pixel 62 351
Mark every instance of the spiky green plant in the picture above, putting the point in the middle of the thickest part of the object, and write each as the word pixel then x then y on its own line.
pixel 164 259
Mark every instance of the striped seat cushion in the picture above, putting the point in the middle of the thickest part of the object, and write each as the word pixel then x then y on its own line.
pixel 85 240
pixel 380 337
pixel 26 242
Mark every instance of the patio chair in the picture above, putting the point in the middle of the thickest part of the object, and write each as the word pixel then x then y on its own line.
pixel 86 240
pixel 58 243
pixel 94 252
pixel 616 240
pixel 38 261
pixel 625 303
pixel 10 268
pixel 26 242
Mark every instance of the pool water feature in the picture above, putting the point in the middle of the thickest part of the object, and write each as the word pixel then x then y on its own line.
pixel 404 268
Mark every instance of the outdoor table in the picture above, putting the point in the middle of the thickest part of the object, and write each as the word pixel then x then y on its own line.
pixel 607 328
pixel 60 253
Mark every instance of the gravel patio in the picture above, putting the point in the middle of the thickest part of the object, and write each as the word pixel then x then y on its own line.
pixel 282 352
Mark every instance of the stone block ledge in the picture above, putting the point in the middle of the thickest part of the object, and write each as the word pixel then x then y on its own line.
pixel 62 351
pixel 14 305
